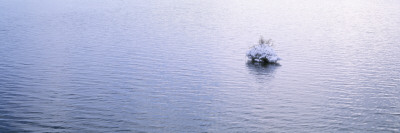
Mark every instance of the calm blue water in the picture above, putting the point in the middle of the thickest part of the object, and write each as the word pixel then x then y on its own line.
pixel 180 66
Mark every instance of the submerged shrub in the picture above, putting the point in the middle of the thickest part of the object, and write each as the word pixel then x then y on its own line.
pixel 263 52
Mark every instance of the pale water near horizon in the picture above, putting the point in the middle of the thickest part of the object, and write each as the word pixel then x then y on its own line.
pixel 180 66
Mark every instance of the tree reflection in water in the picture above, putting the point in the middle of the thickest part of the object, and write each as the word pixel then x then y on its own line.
pixel 262 71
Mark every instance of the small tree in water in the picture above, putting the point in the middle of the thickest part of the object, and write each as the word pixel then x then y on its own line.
pixel 263 52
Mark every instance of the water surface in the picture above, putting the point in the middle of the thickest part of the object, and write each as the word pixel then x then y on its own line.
pixel 180 66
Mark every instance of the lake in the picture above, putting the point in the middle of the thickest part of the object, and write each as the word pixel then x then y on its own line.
pixel 180 66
